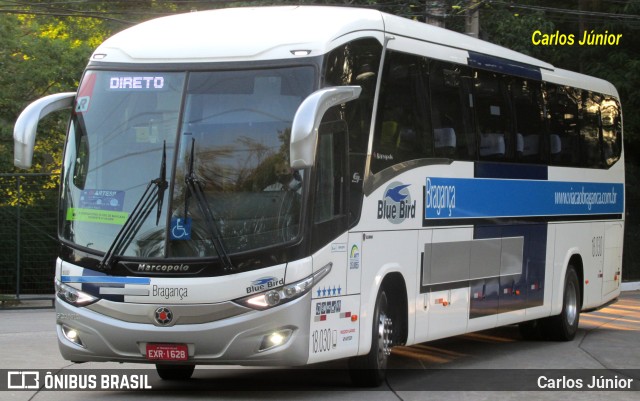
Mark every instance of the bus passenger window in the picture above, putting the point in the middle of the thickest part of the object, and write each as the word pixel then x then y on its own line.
pixel 563 105
pixel 451 111
pixel 591 148
pixel 494 116
pixel 611 130
pixel 403 130
pixel 528 107
pixel 444 142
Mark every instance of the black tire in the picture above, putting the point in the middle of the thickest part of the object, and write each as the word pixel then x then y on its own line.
pixel 175 372
pixel 564 326
pixel 370 370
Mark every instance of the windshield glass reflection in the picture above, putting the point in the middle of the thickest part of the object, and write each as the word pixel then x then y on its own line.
pixel 237 126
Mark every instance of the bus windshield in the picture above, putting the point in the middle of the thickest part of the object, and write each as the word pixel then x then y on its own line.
pixel 224 138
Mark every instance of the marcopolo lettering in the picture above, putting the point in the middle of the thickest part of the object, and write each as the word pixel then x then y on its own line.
pixel 148 268
pixel 136 83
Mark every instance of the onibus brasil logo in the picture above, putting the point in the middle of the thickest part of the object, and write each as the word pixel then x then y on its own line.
pixel 397 205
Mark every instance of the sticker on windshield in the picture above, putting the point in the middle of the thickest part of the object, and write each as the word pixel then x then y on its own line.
pixel 84 93
pixel 102 199
pixel 82 104
pixel 181 228
pixel 96 216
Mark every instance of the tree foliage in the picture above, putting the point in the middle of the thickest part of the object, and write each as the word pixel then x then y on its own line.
pixel 45 45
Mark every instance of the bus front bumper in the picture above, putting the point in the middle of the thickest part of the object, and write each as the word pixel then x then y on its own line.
pixel 276 337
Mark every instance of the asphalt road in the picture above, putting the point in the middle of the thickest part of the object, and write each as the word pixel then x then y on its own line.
pixel 490 365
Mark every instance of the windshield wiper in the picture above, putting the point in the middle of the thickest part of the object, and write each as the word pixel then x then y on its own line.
pixel 153 195
pixel 194 188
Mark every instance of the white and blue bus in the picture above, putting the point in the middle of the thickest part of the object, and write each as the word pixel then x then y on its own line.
pixel 292 185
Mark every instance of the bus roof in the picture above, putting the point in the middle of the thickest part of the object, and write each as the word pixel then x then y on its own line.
pixel 237 34
pixel 281 32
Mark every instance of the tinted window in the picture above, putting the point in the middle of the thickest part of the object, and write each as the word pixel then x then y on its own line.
pixel 355 63
pixel 451 111
pixel 329 192
pixel 493 114
pixel 611 130
pixel 591 149
pixel 403 129
pixel 528 108
pixel 564 106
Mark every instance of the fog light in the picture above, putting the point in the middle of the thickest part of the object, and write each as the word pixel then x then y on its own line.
pixel 275 339
pixel 72 335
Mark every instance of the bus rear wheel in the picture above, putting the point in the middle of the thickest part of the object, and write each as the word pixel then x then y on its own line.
pixel 564 326
pixel 175 372
pixel 370 370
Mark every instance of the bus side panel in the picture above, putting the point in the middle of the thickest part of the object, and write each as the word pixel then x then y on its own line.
pixel 593 259
pixel 577 239
pixel 333 333
pixel 422 299
pixel 446 275
pixel 544 309
pixel 612 269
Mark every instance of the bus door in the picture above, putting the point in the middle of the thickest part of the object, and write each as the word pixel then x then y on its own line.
pixel 335 306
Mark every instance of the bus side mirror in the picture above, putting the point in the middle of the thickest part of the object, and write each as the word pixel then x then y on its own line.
pixel 24 131
pixel 304 130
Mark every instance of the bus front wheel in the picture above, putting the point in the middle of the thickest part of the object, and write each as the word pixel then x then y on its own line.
pixel 370 370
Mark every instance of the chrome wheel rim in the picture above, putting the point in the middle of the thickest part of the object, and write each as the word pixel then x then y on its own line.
pixel 385 330
pixel 571 304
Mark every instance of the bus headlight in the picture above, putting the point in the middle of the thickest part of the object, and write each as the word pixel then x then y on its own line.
pixel 284 294
pixel 73 296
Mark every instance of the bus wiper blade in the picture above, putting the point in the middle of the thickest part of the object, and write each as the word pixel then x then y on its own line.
pixel 161 181
pixel 153 195
pixel 194 188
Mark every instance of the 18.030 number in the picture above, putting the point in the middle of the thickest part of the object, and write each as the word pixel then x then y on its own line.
pixel 321 340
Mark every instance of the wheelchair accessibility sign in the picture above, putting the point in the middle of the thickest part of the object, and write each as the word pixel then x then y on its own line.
pixel 181 228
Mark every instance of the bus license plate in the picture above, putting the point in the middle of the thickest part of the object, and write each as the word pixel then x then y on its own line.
pixel 167 352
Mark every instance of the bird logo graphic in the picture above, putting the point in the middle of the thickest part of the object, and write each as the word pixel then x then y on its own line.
pixel 395 193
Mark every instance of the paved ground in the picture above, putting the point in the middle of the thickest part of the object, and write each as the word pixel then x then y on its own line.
pixel 608 340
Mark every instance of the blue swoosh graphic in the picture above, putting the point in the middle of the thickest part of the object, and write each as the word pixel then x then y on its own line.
pixel 105 280
pixel 264 280
pixel 395 195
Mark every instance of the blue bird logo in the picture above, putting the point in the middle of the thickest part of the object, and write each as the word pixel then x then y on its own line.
pixel 395 195
pixel 264 280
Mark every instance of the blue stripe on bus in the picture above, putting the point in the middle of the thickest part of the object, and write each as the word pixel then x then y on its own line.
pixel 503 66
pixel 475 198
pixel 105 280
